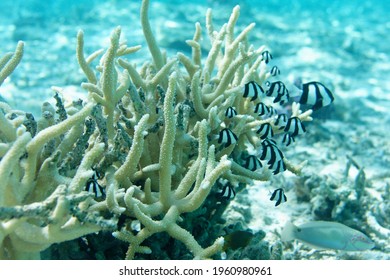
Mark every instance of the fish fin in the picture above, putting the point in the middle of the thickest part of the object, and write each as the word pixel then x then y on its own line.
pixel 288 232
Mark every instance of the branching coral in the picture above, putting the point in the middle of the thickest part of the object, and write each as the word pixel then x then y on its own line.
pixel 153 133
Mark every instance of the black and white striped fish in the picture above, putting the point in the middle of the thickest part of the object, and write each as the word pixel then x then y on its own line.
pixel 227 137
pixel 273 155
pixel 227 192
pixel 279 91
pixel 281 120
pixel 287 139
pixel 265 131
pixel 230 112
pixel 252 90
pixel 277 167
pixel 279 196
pixel 272 111
pixel 252 163
pixel 266 56
pixel 294 127
pixel 93 186
pixel 262 109
pixel 274 71
pixel 316 94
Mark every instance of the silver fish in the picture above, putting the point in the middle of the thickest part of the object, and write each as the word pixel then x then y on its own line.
pixel 327 235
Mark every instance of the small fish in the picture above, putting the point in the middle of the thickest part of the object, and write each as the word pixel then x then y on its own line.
pixel 273 155
pixel 278 166
pixel 252 90
pixel 279 91
pixel 327 235
pixel 266 56
pixel 288 139
pixel 267 143
pixel 227 137
pixel 274 71
pixel 316 94
pixel 230 112
pixel 281 120
pixel 272 110
pixel 279 196
pixel 262 109
pixel 265 131
pixel 237 239
pixel 252 163
pixel 93 186
pixel 227 192
pixel 294 126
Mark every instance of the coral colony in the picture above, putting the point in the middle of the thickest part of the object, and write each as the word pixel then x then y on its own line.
pixel 155 145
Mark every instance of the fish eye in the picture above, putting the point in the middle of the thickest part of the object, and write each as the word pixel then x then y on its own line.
pixel 298 229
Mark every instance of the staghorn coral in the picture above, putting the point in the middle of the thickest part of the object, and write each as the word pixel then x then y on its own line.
pixel 151 133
